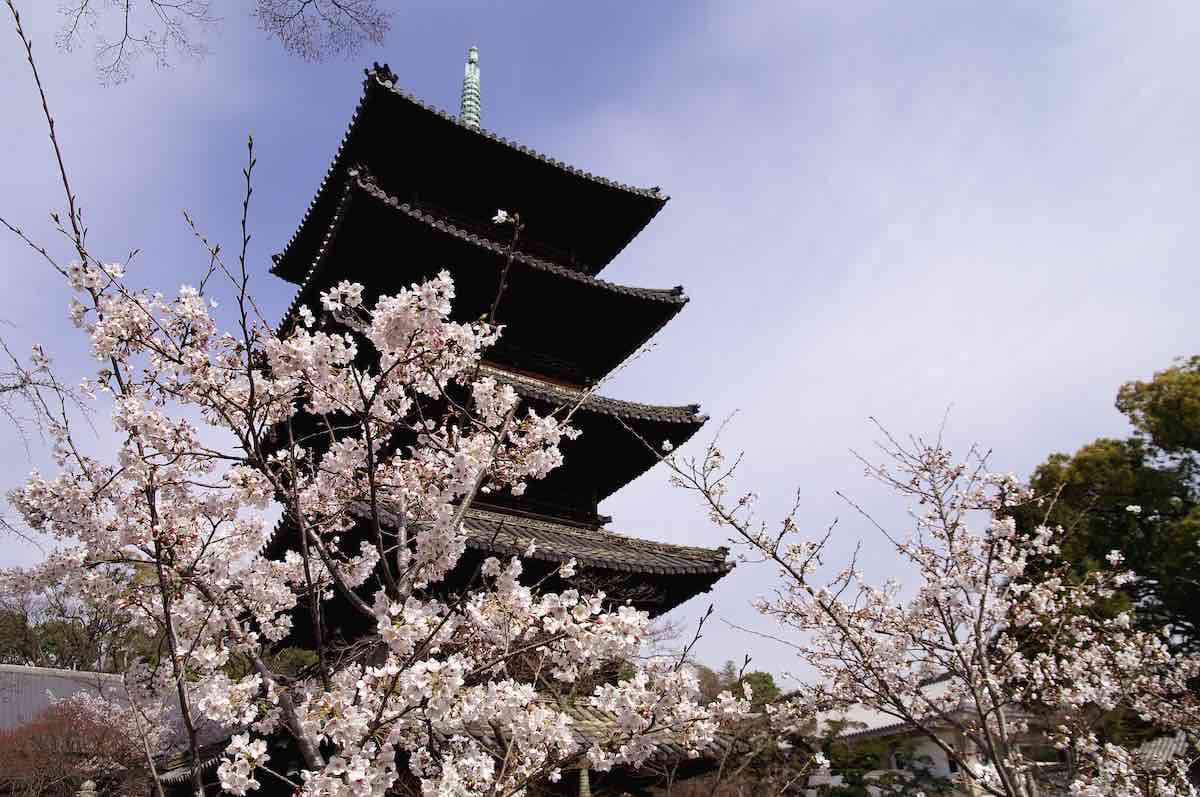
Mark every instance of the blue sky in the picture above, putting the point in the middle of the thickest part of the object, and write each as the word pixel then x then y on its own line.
pixel 878 209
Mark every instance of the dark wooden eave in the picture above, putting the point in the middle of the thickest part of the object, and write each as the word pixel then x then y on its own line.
pixel 581 327
pixel 431 159
pixel 509 535
pixel 590 402
pixel 653 576
pixel 620 441
pixel 495 531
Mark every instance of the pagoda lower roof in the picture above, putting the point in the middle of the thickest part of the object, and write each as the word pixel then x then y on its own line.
pixel 494 531
pixel 620 441
pixel 564 315
pixel 510 535
pixel 625 568
pixel 568 397
pixel 421 152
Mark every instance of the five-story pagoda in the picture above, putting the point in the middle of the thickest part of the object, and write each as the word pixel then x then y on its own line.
pixel 396 185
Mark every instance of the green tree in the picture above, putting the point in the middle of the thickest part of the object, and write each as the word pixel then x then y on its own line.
pixel 1166 410
pixel 729 674
pixel 731 678
pixel 710 682
pixel 1138 496
pixel 765 690
pixel 56 628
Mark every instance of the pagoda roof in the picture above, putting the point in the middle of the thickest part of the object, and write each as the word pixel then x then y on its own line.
pixel 547 308
pixel 563 396
pixel 581 219
pixel 510 535
pixel 620 441
pixel 626 568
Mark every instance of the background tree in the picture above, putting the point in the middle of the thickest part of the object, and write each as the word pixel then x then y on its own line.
pixel 730 673
pixel 1140 496
pixel 1166 410
pixel 996 614
pixel 57 627
pixel 731 678
pixel 765 690
pixel 710 682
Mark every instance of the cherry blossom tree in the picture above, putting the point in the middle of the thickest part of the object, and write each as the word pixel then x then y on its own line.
pixel 1017 646
pixel 368 419
pixel 25 386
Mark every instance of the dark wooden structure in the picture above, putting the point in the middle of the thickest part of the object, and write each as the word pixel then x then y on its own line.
pixel 412 191
pixel 422 185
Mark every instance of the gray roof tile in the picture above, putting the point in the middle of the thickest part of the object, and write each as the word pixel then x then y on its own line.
pixel 510 535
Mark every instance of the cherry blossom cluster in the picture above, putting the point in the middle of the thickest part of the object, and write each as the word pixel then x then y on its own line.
pixel 998 641
pixel 366 423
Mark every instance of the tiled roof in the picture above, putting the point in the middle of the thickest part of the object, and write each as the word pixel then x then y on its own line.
pixel 367 183
pixel 559 395
pixel 510 535
pixel 1165 748
pixel 178 769
pixel 307 285
pixel 27 691
pixel 359 180
pixel 386 78
pixel 865 721
pixel 382 78
pixel 589 724
pixel 862 722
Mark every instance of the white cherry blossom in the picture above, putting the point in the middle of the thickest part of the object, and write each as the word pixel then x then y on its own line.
pixel 174 528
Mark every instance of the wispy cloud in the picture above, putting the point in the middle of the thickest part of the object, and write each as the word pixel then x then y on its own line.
pixel 878 209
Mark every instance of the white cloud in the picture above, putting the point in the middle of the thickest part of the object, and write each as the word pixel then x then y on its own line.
pixel 878 209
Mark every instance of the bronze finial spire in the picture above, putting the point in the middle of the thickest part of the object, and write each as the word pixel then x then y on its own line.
pixel 468 109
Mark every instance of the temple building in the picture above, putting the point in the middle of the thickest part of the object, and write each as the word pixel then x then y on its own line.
pixel 412 190
pixel 423 184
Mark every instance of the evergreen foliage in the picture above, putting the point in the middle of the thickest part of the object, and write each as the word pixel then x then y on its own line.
pixel 1138 495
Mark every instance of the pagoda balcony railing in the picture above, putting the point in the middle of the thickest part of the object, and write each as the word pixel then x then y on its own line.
pixel 501 235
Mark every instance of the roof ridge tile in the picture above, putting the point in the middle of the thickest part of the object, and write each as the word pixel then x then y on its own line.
pixel 588 400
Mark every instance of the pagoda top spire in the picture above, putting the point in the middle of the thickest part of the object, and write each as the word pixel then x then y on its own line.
pixel 468 109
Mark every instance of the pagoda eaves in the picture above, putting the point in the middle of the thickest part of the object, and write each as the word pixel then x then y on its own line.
pixel 412 192
pixel 432 159
pixel 559 322
pixel 620 441
pixel 606 557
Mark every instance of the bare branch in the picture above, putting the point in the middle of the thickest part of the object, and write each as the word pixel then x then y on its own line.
pixel 318 29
